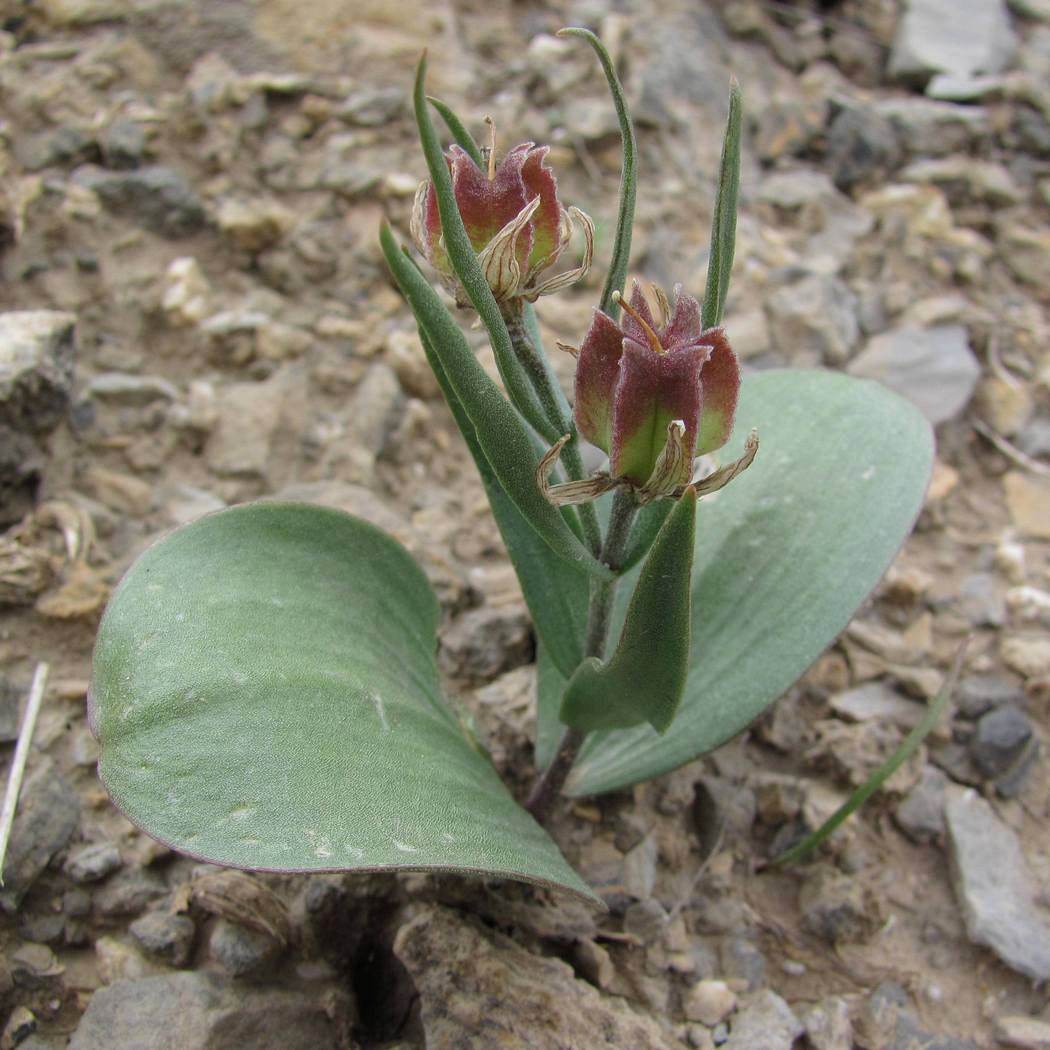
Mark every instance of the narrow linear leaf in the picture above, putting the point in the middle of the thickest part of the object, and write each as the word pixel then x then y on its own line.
pixel 468 269
pixel 784 557
pixel 907 748
pixel 458 130
pixel 265 696
pixel 555 593
pixel 723 226
pixel 499 430
pixel 644 678
pixel 621 253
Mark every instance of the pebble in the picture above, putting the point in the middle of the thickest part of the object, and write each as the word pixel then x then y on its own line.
pixel 978 693
pixel 877 701
pixel 1026 251
pixel 168 937
pixel 927 128
pixel 123 144
pixel 485 642
pixel 37 351
pixel 1000 738
pixel 921 814
pixel 862 146
pixel 934 368
pixel 981 600
pixel 993 887
pixel 828 1025
pixel 815 314
pixel 254 225
pixel 371 107
pixel 765 1023
pixel 129 892
pixel 240 950
pixel 709 1002
pixel 1023 1033
pixel 156 197
pixel 186 295
pixel 960 37
pixel 93 863
pixel 1028 655
pixel 742 960
pixel 837 908
pixel 1028 501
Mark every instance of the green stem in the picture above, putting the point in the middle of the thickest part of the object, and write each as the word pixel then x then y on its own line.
pixel 555 407
pixel 549 784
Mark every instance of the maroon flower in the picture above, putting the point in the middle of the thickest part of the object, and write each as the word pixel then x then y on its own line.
pixel 514 220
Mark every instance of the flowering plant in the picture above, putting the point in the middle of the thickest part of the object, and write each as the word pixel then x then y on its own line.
pixel 265 692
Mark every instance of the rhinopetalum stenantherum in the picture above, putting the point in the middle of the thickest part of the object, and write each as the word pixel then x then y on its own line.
pixel 264 688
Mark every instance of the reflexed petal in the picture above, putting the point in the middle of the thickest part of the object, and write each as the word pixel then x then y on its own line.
pixel 502 258
pixel 570 492
pixel 563 280
pixel 673 466
pixel 724 475
pixel 425 228
pixel 539 181
pixel 597 370
pixel 652 391
pixel 684 328
pixel 719 385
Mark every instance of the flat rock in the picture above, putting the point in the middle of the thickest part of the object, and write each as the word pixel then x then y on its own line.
pixel 993 886
pixel 478 990
pixel 156 197
pixel 877 701
pixel 766 1023
pixel 199 1011
pixel 1028 500
pixel 934 368
pixel 960 37
pixel 37 348
pixel 817 313
pixel 930 128
pixel 921 815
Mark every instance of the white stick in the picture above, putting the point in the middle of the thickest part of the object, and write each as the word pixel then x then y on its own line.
pixel 18 763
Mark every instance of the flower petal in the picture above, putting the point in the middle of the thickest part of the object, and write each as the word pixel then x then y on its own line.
pixel 597 370
pixel 487 206
pixel 653 390
pixel 631 328
pixel 684 328
pixel 539 180
pixel 720 385
pixel 500 259
pixel 569 277
pixel 674 466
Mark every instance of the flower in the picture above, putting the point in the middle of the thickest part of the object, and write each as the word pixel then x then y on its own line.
pixel 653 397
pixel 514 220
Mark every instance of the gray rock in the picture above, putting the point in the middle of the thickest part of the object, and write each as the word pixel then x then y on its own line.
pixel 816 314
pixel 199 1011
pixel 966 180
pixel 1034 439
pixel 836 907
pixel 910 1035
pixel 993 886
pixel 961 37
pixel 22 462
pixel 981 600
pixel 93 862
pixel 921 814
pixel 877 701
pixel 766 1023
pixel 10 710
pixel 478 989
pixel 646 920
pixel 1002 744
pixel 57 146
pixel 741 958
pixel 135 391
pixel 156 197
pixel 240 950
pixel 485 642
pixel 123 144
pixel 934 368
pixel 926 128
pixel 47 815
pixel 373 409
pixel 828 1025
pixel 129 893
pixel 168 937
pixel 37 348
pixel 861 147
pixel 372 107
pixel 978 693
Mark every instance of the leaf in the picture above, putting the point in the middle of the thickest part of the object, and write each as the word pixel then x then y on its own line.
pixel 621 253
pixel 458 130
pixel 555 593
pixel 643 679
pixel 723 226
pixel 784 556
pixel 469 270
pixel 500 431
pixel 265 697
pixel 647 523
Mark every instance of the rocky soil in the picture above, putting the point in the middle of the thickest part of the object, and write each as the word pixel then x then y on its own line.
pixel 194 312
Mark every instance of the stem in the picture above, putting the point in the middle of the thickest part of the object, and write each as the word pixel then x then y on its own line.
pixel 549 784
pixel 554 408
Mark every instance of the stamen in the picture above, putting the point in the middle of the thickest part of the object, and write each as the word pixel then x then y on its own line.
pixel 489 151
pixel 654 339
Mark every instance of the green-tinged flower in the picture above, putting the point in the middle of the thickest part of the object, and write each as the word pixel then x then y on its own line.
pixel 654 397
pixel 514 219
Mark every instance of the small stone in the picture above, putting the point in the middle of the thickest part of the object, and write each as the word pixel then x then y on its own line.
pixel 981 600
pixel 240 950
pixel 978 693
pixel 37 349
pixel 484 642
pixel 33 965
pixel 639 868
pixel 1026 251
pixel 254 225
pixel 877 701
pixel 129 892
pixel 742 960
pixel 94 862
pixel 1028 655
pixel 934 368
pixel 372 413
pixel 836 907
pixel 59 146
pixel 1023 1033
pixel 645 920
pixel 921 815
pixel 709 1002
pixel 123 144
pixel 1000 737
pixel 1028 500
pixel 46 817
pixel 966 181
pixel 186 296
pixel 121 492
pixel 934 129
pixel 817 313
pixel 135 391
pixel 372 107
pixel 961 37
pixel 594 963
pixel 156 197
pixel 169 937
pixel 861 147
pixel 765 1023
pixel 828 1025
pixel 993 886
pixel 117 961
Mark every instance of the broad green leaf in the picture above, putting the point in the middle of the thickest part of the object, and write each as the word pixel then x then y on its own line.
pixel 499 429
pixel 265 696
pixel 555 593
pixel 465 262
pixel 784 556
pixel 621 254
pixel 458 130
pixel 723 225
pixel 642 681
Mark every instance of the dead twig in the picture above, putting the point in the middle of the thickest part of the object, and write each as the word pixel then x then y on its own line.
pixel 1012 453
